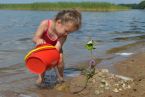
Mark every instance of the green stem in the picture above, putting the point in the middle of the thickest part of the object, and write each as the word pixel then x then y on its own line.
pixel 87 79
pixel 91 53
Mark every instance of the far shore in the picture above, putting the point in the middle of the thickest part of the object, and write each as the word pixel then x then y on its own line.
pixel 83 6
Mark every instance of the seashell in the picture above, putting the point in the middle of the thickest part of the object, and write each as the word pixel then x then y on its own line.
pixel 105 70
pixel 123 85
pixel 102 85
pixel 115 90
pixel 120 89
pixel 97 92
pixel 104 82
pixel 128 86
pixel 124 77
pixel 116 84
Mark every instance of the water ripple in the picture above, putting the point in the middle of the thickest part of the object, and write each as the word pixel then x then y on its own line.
pixel 24 39
pixel 140 37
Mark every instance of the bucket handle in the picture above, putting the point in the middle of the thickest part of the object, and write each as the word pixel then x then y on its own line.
pixel 37 49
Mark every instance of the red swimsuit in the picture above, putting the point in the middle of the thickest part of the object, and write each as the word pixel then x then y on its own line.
pixel 46 36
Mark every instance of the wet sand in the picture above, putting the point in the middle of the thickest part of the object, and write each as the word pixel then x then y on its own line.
pixel 16 81
pixel 133 67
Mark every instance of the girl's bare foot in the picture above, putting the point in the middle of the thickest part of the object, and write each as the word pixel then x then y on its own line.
pixel 60 80
pixel 40 79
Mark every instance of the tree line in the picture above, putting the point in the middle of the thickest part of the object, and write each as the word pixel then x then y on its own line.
pixel 141 5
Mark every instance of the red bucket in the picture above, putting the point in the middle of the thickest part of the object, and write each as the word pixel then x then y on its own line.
pixel 41 58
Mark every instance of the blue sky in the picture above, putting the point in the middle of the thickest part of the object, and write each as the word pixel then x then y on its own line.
pixel 30 1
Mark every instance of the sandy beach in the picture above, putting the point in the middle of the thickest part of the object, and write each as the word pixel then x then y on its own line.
pixel 16 81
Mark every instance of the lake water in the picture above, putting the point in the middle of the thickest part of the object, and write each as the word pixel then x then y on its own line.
pixel 106 28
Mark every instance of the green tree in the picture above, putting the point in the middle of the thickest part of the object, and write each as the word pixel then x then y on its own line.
pixel 141 5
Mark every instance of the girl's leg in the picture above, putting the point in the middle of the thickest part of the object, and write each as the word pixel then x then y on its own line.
pixel 60 68
pixel 40 78
pixel 59 77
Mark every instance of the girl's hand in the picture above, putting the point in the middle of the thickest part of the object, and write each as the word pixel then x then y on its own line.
pixel 40 41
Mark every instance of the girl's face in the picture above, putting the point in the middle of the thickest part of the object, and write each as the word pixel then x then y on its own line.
pixel 63 29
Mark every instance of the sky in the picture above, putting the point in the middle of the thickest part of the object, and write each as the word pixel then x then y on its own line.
pixel 31 1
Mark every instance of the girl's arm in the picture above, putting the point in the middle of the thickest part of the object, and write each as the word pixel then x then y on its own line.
pixel 58 46
pixel 37 36
pixel 60 43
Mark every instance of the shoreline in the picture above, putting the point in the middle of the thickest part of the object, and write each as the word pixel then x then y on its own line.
pixel 92 10
pixel 133 66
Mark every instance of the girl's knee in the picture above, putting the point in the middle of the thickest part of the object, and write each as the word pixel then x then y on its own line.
pixel 61 59
pixel 61 64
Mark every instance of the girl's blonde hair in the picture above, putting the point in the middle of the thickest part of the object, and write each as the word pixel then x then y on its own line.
pixel 72 16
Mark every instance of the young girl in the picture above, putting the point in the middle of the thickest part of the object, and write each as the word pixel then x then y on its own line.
pixel 55 32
